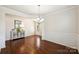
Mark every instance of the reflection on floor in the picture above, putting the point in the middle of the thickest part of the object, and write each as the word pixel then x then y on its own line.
pixel 28 46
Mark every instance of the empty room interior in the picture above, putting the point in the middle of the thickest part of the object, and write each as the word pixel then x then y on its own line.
pixel 39 29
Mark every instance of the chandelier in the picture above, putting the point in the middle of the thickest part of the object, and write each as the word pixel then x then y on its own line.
pixel 39 19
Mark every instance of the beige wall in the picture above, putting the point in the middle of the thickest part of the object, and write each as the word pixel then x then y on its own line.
pixel 2 29
pixel 78 28
pixel 61 27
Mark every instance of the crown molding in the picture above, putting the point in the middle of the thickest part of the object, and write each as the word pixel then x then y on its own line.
pixel 61 10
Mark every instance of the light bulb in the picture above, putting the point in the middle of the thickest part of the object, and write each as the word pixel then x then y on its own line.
pixel 39 20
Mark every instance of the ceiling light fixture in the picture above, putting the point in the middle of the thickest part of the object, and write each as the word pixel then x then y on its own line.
pixel 37 22
pixel 39 19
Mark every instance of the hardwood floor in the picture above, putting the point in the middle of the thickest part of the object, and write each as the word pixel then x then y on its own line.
pixel 28 46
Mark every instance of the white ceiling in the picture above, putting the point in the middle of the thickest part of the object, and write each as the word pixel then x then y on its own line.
pixel 33 9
